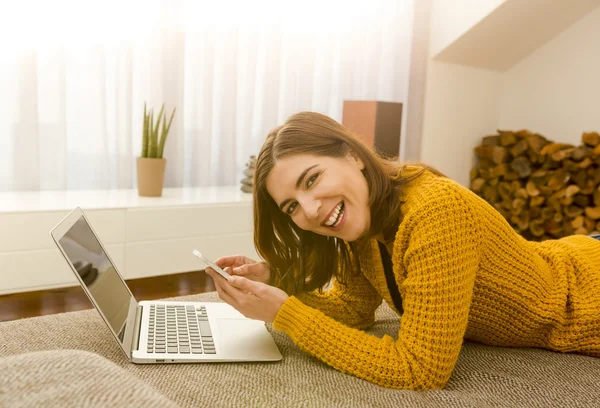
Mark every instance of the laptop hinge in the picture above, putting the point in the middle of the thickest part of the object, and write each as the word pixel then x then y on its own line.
pixel 136 332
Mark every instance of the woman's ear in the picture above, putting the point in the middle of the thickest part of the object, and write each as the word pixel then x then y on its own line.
pixel 353 157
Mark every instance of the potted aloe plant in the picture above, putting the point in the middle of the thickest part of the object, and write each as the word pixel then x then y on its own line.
pixel 151 164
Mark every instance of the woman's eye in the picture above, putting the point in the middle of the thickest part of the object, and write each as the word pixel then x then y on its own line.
pixel 292 207
pixel 311 180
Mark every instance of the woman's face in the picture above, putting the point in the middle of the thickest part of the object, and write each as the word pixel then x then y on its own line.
pixel 325 195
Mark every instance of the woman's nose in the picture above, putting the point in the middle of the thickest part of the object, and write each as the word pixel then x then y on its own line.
pixel 311 208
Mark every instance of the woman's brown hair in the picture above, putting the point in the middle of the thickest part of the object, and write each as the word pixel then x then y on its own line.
pixel 303 260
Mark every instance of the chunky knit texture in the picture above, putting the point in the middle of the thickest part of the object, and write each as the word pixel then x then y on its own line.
pixel 463 272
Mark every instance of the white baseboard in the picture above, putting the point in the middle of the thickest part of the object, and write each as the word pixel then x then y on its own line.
pixel 144 237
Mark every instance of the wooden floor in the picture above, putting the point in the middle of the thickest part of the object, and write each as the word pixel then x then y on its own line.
pixel 30 304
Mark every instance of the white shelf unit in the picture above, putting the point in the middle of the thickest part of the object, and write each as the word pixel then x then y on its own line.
pixel 144 236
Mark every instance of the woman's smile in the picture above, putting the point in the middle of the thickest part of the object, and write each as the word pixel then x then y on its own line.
pixel 336 218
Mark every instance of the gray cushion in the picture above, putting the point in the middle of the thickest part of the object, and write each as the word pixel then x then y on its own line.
pixel 71 378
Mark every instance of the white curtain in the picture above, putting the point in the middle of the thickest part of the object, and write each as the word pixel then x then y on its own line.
pixel 74 76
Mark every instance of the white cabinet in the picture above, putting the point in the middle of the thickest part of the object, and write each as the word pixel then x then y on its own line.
pixel 144 236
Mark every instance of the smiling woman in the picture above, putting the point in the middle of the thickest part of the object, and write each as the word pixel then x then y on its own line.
pixel 326 206
pixel 311 170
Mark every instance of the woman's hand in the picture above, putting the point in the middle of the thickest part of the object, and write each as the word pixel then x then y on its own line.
pixel 239 265
pixel 255 300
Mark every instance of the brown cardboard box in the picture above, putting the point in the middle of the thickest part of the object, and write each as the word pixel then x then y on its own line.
pixel 376 123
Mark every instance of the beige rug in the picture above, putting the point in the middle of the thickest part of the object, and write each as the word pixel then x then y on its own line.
pixel 484 376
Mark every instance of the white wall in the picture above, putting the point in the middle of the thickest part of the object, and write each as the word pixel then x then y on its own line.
pixel 459 104
pixel 410 148
pixel 460 108
pixel 556 90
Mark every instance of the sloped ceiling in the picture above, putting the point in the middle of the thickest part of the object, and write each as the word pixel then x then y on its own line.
pixel 513 31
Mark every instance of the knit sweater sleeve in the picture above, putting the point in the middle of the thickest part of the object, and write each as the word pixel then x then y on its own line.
pixel 352 304
pixel 441 260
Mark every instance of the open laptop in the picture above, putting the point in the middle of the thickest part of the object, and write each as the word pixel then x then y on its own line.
pixel 158 331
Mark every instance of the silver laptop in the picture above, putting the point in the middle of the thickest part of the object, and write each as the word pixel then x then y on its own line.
pixel 158 331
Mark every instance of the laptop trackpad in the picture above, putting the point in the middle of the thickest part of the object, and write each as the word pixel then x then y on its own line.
pixel 243 338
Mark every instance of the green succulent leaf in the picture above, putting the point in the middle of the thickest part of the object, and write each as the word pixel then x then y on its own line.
pixel 165 132
pixel 154 134
pixel 153 144
pixel 145 140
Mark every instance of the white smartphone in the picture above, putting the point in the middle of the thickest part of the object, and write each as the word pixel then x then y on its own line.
pixel 208 262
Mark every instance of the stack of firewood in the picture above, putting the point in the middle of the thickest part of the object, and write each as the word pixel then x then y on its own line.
pixel 544 189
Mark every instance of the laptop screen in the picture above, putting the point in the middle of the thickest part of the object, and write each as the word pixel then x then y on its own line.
pixel 98 274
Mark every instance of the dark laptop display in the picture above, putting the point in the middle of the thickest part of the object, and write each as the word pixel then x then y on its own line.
pixel 98 274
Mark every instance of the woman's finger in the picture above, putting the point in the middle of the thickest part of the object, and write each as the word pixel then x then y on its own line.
pixel 228 270
pixel 234 292
pixel 245 285
pixel 220 287
pixel 217 278
pixel 242 270
pixel 239 296
pixel 226 261
pixel 225 297
pixel 233 296
pixel 249 269
pixel 233 261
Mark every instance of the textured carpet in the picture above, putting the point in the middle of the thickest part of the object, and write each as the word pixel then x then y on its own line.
pixel 484 376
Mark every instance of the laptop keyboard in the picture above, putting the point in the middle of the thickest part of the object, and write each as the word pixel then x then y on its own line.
pixel 176 329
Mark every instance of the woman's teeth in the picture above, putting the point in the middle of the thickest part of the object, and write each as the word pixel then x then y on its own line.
pixel 336 216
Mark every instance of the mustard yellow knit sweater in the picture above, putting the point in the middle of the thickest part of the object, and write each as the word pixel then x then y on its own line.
pixel 463 272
